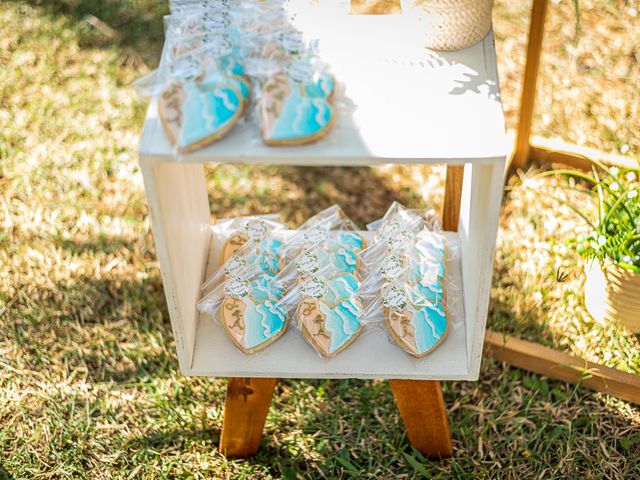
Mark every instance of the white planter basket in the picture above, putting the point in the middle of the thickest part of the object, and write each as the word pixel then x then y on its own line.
pixel 451 24
pixel 612 294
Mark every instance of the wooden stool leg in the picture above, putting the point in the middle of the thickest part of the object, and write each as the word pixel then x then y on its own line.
pixel 245 411
pixel 424 414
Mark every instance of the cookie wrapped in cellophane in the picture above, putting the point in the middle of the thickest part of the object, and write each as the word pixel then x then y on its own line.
pixel 330 230
pixel 249 310
pixel 326 309
pixel 404 286
pixel 248 245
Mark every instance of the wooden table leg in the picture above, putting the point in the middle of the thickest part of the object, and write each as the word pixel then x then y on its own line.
pixel 245 411
pixel 424 414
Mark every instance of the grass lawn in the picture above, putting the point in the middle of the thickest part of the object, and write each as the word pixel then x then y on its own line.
pixel 89 386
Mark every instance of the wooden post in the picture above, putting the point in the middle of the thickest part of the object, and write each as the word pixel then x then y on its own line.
pixel 420 402
pixel 527 102
pixel 424 415
pixel 245 411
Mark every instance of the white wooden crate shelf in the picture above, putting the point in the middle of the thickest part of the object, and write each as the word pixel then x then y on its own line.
pixel 444 108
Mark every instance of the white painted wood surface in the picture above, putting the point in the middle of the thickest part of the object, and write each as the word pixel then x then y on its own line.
pixel 372 355
pixel 401 103
pixel 179 211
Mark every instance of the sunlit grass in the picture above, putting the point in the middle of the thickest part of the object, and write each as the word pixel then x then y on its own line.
pixel 89 386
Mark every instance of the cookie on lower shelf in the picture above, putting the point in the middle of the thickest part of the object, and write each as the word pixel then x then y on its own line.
pixel 251 319
pixel 417 329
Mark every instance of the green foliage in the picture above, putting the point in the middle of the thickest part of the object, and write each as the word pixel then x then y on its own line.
pixel 615 221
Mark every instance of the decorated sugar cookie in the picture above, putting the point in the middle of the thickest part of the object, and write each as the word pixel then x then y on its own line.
pixel 194 115
pixel 417 329
pixel 329 327
pixel 295 108
pixel 251 321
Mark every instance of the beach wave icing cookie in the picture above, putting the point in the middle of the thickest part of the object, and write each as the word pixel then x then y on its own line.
pixel 251 321
pixel 295 108
pixel 417 329
pixel 329 327
pixel 194 115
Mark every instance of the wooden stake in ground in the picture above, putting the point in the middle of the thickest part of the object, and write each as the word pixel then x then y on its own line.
pixel 562 366
pixel 528 99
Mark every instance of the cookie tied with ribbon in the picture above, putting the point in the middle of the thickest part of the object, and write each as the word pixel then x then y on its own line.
pixel 417 328
pixel 329 314
pixel 252 319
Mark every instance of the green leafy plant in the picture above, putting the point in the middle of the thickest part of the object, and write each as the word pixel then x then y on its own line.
pixel 615 223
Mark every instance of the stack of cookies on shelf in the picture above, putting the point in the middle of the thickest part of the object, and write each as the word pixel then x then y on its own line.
pixel 229 63
pixel 332 281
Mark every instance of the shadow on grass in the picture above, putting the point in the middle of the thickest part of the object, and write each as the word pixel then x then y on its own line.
pixel 134 26
pixel 363 194
pixel 5 475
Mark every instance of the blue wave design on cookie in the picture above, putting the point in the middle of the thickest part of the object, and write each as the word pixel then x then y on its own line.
pixel 262 322
pixel 321 88
pixel 263 288
pixel 216 76
pixel 429 323
pixel 350 240
pixel 421 292
pixel 302 117
pixel 340 288
pixel 266 262
pixel 206 112
pixel 341 322
pixel 271 246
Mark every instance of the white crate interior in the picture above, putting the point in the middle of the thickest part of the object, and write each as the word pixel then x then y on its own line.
pixel 411 105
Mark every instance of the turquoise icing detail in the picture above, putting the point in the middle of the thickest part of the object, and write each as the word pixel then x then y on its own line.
pixel 266 262
pixel 426 268
pixel 431 246
pixel 271 246
pixel 206 111
pixel 341 288
pixel 231 65
pixel 301 116
pixel 322 88
pixel 215 77
pixel 430 324
pixel 431 292
pixel 263 288
pixel 262 321
pixel 343 259
pixel 341 322
pixel 351 240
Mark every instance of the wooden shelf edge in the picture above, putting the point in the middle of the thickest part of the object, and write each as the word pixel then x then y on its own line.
pixel 562 366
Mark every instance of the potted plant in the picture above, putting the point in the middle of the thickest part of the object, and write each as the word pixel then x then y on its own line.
pixel 612 286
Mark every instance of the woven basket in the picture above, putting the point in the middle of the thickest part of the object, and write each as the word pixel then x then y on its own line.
pixel 612 294
pixel 451 24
